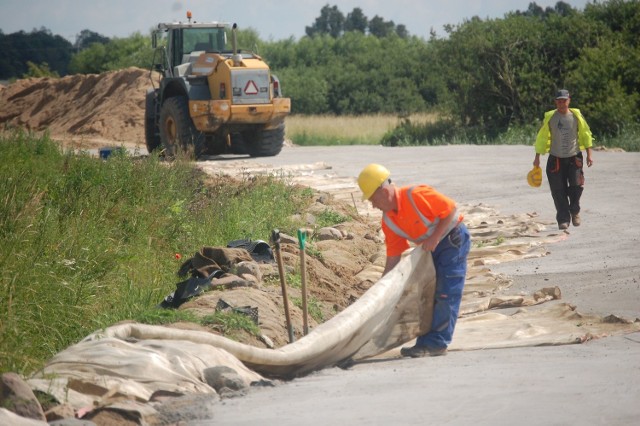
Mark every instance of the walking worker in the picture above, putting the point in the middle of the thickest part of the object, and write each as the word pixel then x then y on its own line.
pixel 564 135
pixel 429 219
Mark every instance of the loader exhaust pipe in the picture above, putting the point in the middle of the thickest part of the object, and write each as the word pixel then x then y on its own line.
pixel 237 58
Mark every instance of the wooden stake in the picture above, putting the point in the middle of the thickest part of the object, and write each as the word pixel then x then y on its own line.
pixel 275 238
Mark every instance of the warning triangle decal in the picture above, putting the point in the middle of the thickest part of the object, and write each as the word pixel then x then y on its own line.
pixel 251 88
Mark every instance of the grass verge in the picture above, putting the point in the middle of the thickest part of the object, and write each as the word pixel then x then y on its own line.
pixel 89 242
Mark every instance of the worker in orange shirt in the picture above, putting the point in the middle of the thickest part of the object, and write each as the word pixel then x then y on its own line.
pixel 424 216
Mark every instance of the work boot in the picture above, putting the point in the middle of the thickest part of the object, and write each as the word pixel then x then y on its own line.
pixel 422 351
pixel 575 219
pixel 563 225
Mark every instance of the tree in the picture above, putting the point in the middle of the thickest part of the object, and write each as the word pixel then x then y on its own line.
pixel 248 40
pixel 378 27
pixel 563 9
pixel 487 67
pixel 86 38
pixel 330 21
pixel 600 84
pixel 91 60
pixel 308 90
pixel 38 46
pixel 133 51
pixel 356 21
pixel 534 10
pixel 41 70
pixel 621 16
pixel 402 31
pixel 503 72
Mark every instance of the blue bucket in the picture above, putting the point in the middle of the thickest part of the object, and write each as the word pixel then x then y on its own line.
pixel 105 152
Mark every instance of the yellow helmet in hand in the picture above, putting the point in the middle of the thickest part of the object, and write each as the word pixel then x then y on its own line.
pixel 370 179
pixel 534 177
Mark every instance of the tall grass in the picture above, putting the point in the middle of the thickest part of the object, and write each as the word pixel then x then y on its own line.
pixel 87 242
pixel 424 129
pixel 345 130
pixel 628 139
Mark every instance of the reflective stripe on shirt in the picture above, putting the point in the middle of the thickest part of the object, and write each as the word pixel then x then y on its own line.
pixel 431 226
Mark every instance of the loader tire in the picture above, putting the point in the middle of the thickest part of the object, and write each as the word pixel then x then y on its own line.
pixel 151 135
pixel 264 143
pixel 177 132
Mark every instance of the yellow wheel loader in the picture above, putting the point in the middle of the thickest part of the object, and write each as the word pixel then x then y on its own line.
pixel 210 100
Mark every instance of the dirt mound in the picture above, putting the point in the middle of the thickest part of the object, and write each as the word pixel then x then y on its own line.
pixel 333 269
pixel 94 107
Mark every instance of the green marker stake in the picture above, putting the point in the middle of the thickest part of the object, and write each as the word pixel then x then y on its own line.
pixel 302 236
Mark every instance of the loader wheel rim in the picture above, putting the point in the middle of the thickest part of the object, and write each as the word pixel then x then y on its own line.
pixel 172 130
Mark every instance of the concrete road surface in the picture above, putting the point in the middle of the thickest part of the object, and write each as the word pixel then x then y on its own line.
pixel 597 267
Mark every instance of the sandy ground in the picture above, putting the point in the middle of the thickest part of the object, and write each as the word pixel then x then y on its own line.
pixel 597 266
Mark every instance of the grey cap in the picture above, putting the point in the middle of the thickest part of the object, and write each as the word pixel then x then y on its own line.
pixel 562 94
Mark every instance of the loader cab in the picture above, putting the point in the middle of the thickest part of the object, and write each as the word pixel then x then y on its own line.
pixel 180 40
pixel 184 41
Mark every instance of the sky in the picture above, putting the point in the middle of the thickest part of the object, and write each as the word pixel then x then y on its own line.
pixel 272 19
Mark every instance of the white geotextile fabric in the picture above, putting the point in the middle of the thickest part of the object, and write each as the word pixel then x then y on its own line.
pixel 132 367
pixel 559 324
pixel 137 359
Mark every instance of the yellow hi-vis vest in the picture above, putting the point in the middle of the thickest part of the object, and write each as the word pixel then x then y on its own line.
pixel 543 140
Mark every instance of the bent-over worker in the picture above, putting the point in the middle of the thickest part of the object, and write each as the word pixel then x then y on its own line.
pixel 424 216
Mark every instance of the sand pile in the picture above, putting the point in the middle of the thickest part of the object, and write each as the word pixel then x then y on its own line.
pixel 94 107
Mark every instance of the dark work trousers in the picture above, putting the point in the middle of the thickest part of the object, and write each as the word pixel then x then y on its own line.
pixel 566 180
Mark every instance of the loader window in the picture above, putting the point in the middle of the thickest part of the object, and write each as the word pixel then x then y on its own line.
pixel 208 39
pixel 203 46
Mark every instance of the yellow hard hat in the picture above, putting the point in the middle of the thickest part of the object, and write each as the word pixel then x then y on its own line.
pixel 534 177
pixel 370 179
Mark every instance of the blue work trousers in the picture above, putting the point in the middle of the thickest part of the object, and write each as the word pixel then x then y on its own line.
pixel 450 261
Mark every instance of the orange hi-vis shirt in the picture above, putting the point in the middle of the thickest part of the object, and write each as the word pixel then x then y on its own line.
pixel 431 205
